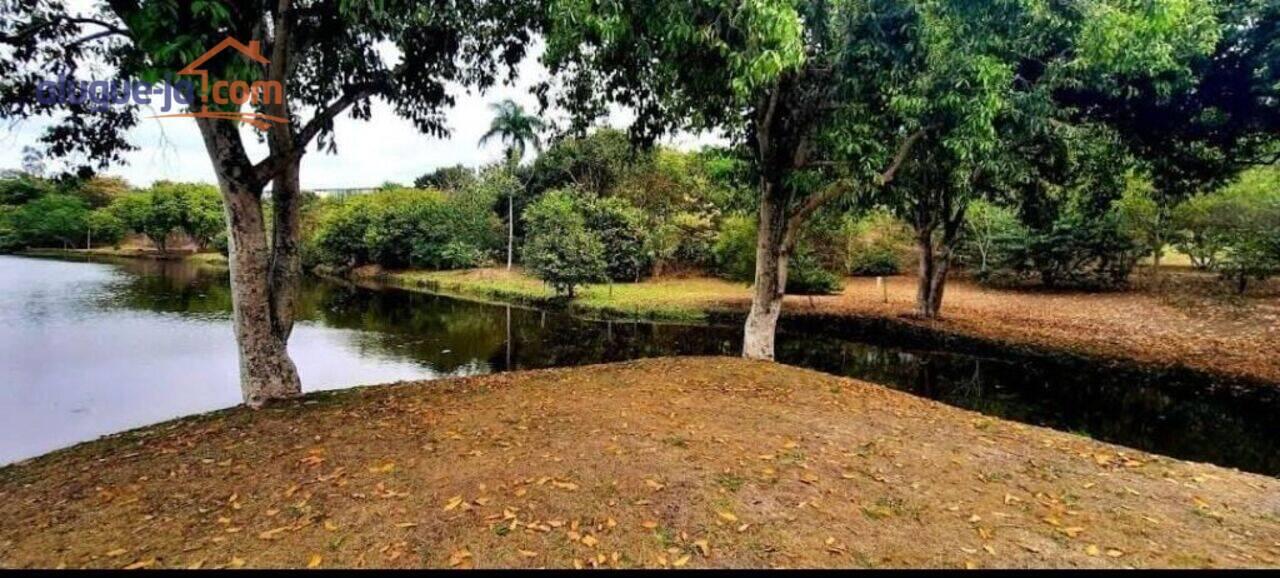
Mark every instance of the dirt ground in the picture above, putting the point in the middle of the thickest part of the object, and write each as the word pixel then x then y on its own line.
pixel 692 462
pixel 1187 319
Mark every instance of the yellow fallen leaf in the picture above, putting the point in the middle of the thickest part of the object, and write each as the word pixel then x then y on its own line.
pixel 565 485
pixel 314 562
pixel 590 541
pixel 330 525
pixel 458 557
pixel 383 469
pixel 703 546
pixel 1071 531
pixel 141 564
pixel 528 553
pixel 1114 553
pixel 649 524
pixel 728 516
pixel 116 552
pixel 272 534
pixel 198 564
pixel 453 502
pixel 406 525
pixel 681 561
pixel 236 562
pixel 1092 550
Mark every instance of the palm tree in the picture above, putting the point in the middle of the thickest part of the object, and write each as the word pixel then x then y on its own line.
pixel 517 130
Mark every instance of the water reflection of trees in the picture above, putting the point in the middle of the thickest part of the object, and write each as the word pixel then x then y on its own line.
pixel 453 336
pixel 1121 406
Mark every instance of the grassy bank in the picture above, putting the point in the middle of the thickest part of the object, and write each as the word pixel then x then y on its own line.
pixel 132 253
pixel 692 462
pixel 667 299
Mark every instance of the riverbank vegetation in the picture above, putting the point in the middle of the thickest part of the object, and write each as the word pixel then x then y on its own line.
pixel 1089 124
pixel 72 213
pixel 741 464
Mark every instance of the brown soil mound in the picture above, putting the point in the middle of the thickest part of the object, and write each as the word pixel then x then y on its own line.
pixel 669 462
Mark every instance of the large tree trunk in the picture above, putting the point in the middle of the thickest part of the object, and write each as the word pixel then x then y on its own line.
pixel 266 371
pixel 261 283
pixel 935 262
pixel 771 277
pixel 925 274
pixel 938 283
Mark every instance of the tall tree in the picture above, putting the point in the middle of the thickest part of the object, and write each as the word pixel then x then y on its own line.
pixel 771 74
pixel 327 55
pixel 831 96
pixel 1195 117
pixel 518 131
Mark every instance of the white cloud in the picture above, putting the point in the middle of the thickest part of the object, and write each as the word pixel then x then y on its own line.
pixel 385 148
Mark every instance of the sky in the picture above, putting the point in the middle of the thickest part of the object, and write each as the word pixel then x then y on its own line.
pixel 385 148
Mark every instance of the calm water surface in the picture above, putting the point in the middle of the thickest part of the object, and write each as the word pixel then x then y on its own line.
pixel 91 348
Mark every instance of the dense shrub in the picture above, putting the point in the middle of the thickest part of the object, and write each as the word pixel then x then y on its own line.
pixel 52 220
pixel 685 240
pixel 150 215
pixel 399 228
pixel 165 207
pixel 1076 252
pixel 620 226
pixel 735 259
pixel 105 228
pixel 681 196
pixel 807 276
pixel 992 236
pixel 559 247
pixel 876 244
pixel 1249 236
pixel 735 248
pixel 1233 231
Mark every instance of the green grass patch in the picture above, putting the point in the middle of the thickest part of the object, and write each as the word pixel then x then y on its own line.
pixel 686 300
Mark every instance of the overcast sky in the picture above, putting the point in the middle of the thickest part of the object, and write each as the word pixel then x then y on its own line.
pixel 386 148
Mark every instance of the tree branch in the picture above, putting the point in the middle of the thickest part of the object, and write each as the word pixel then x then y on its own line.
pixel 841 186
pixel 267 168
pixel 109 30
pixel 903 150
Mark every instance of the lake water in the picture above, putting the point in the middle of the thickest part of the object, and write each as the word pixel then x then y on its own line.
pixel 89 348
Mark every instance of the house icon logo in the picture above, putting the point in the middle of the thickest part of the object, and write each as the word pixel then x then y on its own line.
pixel 230 95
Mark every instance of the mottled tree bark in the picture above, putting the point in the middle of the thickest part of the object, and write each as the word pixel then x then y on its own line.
pixel 263 274
pixel 924 274
pixel 935 257
pixel 266 371
pixel 771 276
